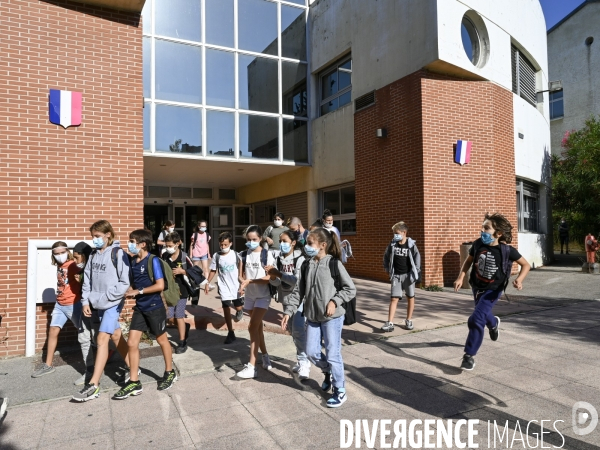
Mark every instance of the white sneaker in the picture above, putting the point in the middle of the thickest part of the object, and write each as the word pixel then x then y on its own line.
pixel 296 368
pixel 304 372
pixel 266 362
pixel 211 287
pixel 249 371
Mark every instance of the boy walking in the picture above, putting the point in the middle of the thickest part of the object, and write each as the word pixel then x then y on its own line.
pixel 149 313
pixel 402 261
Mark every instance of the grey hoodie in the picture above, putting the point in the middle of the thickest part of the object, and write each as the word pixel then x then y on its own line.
pixel 104 286
pixel 287 282
pixel 413 255
pixel 318 289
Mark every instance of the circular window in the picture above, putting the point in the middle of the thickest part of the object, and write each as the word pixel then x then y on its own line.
pixel 471 41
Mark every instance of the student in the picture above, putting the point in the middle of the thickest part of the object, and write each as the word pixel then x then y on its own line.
pixel 200 252
pixel 67 307
pixel 168 227
pixel 105 282
pixel 300 233
pixel 257 297
pixel 272 233
pixel 229 265
pixel 490 275
pixel 327 220
pixel 402 261
pixel 324 309
pixel 285 274
pixel 177 260
pixel 563 234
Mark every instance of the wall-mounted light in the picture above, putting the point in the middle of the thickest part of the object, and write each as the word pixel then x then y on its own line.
pixel 381 132
pixel 553 86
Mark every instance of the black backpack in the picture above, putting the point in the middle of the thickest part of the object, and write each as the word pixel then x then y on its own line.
pixel 350 307
pixel 506 262
pixel 264 258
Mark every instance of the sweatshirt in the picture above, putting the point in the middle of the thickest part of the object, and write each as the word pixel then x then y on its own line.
pixel 104 286
pixel 318 289
pixel 290 275
pixel 413 255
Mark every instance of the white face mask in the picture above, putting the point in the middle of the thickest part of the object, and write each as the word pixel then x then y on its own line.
pixel 61 258
pixel 170 230
pixel 278 223
pixel 328 225
pixel 225 249
pixel 81 265
pixel 170 250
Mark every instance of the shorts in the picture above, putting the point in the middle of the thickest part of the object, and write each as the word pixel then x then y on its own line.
pixel 178 310
pixel 232 303
pixel 251 303
pixel 62 313
pixel 402 283
pixel 154 321
pixel 200 258
pixel 109 318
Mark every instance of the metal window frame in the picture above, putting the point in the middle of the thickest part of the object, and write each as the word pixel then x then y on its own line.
pixel 523 189
pixel 552 101
pixel 340 217
pixel 335 66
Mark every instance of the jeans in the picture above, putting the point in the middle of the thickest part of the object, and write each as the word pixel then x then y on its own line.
pixel 331 333
pixel 481 317
pixel 297 326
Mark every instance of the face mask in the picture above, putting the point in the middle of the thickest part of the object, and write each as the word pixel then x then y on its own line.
pixel 398 237
pixel 171 229
pixel 132 247
pixel 81 265
pixel 225 249
pixel 170 250
pixel 328 225
pixel 310 251
pixel 285 247
pixel 60 258
pixel 487 238
pixel 278 223
pixel 252 245
pixel 203 229
pixel 98 242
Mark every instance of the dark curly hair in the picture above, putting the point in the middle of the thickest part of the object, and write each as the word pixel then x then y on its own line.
pixel 501 224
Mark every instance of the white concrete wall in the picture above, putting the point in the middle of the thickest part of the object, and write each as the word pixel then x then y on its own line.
pixel 532 151
pixel 531 247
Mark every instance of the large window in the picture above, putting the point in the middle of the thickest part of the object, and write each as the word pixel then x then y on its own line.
pixel 341 201
pixel 336 86
pixel 523 76
pixel 557 107
pixel 219 92
pixel 528 206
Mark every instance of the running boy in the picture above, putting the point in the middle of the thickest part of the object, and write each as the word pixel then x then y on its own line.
pixel 402 261
pixel 490 275
pixel 229 265
pixel 149 313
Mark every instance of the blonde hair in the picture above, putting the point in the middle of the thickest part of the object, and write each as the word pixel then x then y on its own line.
pixel 59 244
pixel 104 226
pixel 400 226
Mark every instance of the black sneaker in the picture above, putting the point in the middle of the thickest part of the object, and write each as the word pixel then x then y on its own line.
pixel 168 381
pixel 495 332
pixel 125 376
pixel 132 388
pixel 89 392
pixel 181 348
pixel 230 337
pixel 326 386
pixel 468 363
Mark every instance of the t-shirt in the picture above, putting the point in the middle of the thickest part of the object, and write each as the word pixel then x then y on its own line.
pixel 68 287
pixel 229 283
pixel 401 258
pixel 487 266
pixel 141 279
pixel 254 270
pixel 275 234
pixel 177 262
pixel 200 247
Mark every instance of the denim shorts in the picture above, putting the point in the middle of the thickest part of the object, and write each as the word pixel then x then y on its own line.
pixel 62 313
pixel 251 303
pixel 200 258
pixel 109 318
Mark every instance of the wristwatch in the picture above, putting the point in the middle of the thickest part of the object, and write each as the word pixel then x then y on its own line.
pixel 141 291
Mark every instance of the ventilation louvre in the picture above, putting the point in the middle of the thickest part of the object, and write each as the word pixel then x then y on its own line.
pixel 364 101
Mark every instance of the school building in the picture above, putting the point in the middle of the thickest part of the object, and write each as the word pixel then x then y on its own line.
pixel 231 110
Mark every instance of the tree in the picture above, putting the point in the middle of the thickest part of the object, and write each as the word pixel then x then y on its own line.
pixel 576 180
pixel 176 146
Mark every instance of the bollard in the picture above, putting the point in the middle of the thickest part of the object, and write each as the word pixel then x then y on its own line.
pixel 464 254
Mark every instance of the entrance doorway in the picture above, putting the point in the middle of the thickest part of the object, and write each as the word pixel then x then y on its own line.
pixel 234 219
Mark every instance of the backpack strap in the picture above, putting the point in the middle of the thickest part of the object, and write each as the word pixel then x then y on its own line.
pixel 304 272
pixel 335 273
pixel 264 256
pixel 151 267
pixel 506 262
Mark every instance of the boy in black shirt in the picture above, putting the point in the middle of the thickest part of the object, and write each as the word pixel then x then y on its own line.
pixel 490 275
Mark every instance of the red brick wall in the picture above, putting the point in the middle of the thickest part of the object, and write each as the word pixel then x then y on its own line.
pixel 411 176
pixel 54 182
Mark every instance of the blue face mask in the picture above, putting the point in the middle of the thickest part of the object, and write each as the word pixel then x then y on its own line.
pixel 285 247
pixel 252 245
pixel 98 242
pixel 132 247
pixel 487 238
pixel 398 237
pixel 310 251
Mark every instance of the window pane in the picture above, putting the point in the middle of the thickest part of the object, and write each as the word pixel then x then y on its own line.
pixel 181 192
pixel 257 26
pixel 348 226
pixel 348 200
pixel 147 118
pixel 345 75
pixel 556 95
pixel 182 21
pixel 219 22
pixel 345 98
pixel 331 201
pixel 258 84
pixel 242 217
pixel 294 88
pixel 202 192
pixel 220 78
pixel 329 84
pixel 295 140
pixel 222 217
pixel 220 133
pixel 259 137
pixel 227 194
pixel 557 109
pixel 329 106
pixel 147 18
pixel 178 72
pixel 147 69
pixel 298 2
pixel 178 129
pixel 293 32
pixel 158 191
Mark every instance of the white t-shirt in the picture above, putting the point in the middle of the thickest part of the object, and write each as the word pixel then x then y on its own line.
pixel 255 270
pixel 229 284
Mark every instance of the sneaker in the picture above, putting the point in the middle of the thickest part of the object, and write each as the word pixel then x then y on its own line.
pixel 83 379
pixel 249 371
pixel 211 287
pixel 266 362
pixel 89 392
pixel 230 337
pixel 408 324
pixel 468 363
pixel 239 315
pixel 304 372
pixel 203 284
pixel 338 398
pixel 132 388
pixel 3 406
pixel 495 332
pixel 326 386
pixel 168 381
pixel 388 327
pixel 126 376
pixel 44 370
pixel 296 368
pixel 181 348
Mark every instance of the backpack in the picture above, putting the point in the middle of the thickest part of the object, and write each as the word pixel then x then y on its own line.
pixel 195 238
pixel 264 258
pixel 170 292
pixel 506 262
pixel 191 284
pixel 350 307
pixel 279 267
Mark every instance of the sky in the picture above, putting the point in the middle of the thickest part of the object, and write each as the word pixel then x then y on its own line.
pixel 555 10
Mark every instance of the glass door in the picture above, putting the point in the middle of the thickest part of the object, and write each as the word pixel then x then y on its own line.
pixel 221 219
pixel 241 219
pixel 180 224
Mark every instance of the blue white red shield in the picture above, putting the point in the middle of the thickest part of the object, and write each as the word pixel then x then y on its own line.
pixel 64 108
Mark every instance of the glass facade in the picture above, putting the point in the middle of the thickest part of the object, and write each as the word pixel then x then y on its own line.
pixel 217 91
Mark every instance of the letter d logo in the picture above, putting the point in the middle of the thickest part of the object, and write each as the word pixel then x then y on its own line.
pixel 579 418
